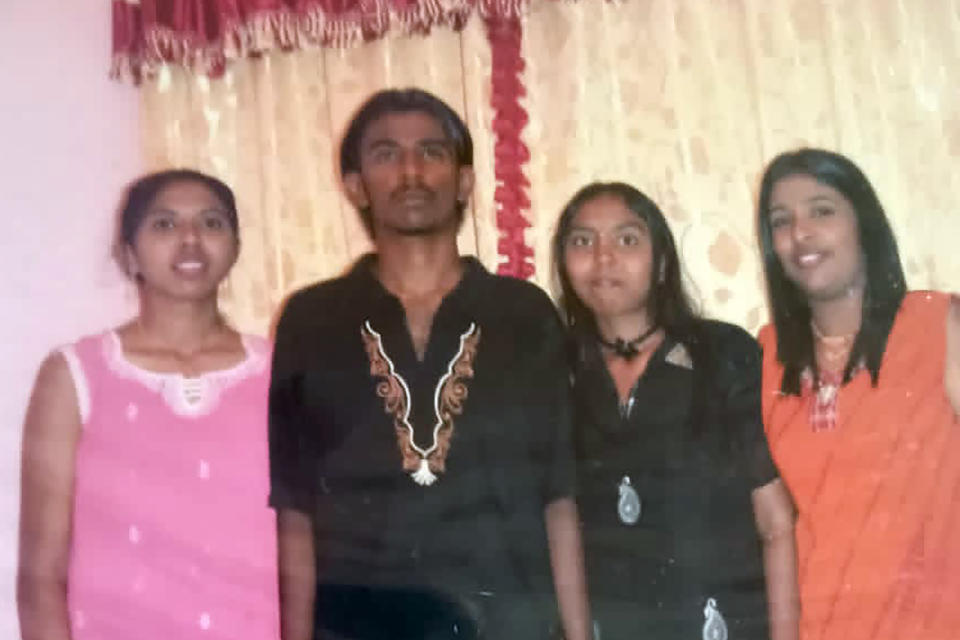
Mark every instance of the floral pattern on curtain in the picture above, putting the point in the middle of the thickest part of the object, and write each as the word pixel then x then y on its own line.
pixel 686 100
pixel 202 35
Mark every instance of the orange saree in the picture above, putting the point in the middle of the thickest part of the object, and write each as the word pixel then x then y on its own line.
pixel 878 496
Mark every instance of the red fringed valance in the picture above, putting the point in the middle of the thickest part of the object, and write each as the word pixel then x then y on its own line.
pixel 204 34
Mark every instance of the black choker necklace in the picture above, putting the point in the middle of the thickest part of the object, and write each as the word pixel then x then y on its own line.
pixel 627 349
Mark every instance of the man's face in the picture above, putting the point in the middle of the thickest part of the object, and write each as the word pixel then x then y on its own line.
pixel 409 176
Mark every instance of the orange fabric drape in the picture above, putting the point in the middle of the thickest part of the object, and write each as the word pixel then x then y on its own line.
pixel 878 496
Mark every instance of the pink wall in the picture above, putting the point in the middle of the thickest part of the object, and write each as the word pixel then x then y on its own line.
pixel 68 142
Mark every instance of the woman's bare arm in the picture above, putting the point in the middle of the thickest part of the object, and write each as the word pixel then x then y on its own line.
pixel 952 374
pixel 775 517
pixel 566 558
pixel 50 435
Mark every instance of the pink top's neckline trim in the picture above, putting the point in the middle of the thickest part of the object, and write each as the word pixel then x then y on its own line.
pixel 191 396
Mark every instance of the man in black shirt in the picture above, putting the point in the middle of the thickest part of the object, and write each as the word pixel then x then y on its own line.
pixel 419 422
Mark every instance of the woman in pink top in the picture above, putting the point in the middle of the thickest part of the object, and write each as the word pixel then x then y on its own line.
pixel 144 507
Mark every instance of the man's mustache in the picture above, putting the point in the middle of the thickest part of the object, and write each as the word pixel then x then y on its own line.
pixel 421 191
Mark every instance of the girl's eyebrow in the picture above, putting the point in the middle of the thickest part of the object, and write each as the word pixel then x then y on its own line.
pixel 380 143
pixel 163 211
pixel 625 225
pixel 817 198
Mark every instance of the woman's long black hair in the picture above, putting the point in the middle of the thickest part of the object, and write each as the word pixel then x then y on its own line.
pixel 885 282
pixel 669 305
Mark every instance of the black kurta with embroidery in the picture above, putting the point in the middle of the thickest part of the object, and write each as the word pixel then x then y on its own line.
pixel 347 383
pixel 695 539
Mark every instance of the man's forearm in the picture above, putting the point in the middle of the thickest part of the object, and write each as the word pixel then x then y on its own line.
pixel 569 577
pixel 298 575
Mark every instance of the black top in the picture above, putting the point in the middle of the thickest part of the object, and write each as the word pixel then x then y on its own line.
pixel 695 538
pixel 334 415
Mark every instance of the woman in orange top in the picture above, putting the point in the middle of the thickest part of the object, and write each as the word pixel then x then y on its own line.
pixel 861 393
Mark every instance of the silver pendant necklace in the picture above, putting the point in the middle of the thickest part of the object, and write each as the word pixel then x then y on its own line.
pixel 714 626
pixel 628 502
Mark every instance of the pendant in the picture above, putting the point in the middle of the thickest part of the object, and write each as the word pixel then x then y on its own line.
pixel 826 393
pixel 628 504
pixel 714 626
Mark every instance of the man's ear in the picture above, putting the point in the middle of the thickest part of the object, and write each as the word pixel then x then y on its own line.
pixel 356 192
pixel 465 187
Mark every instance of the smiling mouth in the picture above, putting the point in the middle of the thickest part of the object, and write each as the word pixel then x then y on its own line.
pixel 809 259
pixel 190 267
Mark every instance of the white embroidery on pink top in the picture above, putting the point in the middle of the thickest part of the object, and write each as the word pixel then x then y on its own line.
pixel 186 396
pixel 80 385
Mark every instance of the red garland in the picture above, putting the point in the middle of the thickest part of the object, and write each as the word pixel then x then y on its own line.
pixel 505 35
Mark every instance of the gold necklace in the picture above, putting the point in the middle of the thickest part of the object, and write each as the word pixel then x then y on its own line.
pixel 834 351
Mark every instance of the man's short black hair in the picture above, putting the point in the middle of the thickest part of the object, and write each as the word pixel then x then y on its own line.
pixel 404 101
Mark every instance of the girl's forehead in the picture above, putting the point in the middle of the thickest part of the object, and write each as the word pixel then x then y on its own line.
pixel 797 186
pixel 185 195
pixel 607 211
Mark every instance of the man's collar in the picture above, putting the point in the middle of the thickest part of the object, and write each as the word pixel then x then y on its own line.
pixel 362 276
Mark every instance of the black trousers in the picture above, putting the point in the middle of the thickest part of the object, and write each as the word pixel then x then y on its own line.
pixel 352 612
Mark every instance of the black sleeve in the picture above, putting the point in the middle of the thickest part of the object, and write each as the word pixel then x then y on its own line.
pixel 743 416
pixel 549 404
pixel 290 459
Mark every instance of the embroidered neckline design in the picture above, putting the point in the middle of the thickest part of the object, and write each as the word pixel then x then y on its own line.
pixel 423 464
pixel 192 396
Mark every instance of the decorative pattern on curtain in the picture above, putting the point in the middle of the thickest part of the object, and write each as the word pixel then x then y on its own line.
pixel 201 35
pixel 271 126
pixel 686 100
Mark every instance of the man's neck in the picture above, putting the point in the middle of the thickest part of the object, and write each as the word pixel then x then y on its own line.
pixel 417 266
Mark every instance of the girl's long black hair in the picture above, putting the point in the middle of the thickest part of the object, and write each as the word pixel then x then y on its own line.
pixel 669 305
pixel 885 282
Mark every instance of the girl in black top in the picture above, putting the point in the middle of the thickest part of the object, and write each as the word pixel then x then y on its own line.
pixel 688 531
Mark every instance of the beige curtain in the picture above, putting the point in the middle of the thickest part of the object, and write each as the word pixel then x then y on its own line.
pixel 271 128
pixel 686 99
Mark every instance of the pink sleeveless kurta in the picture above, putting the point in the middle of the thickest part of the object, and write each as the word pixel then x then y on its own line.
pixel 172 537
